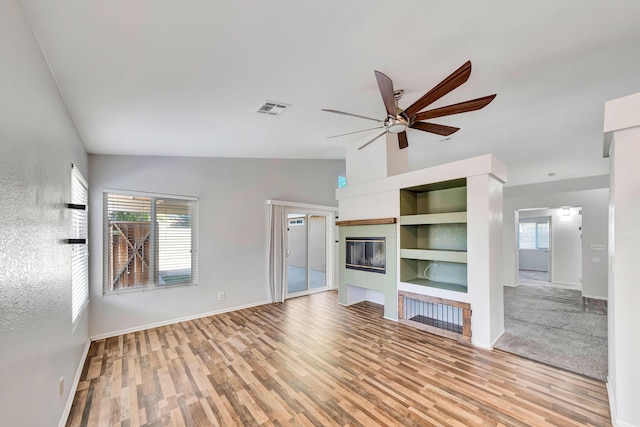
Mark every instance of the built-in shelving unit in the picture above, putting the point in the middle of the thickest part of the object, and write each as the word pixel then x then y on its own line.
pixel 433 235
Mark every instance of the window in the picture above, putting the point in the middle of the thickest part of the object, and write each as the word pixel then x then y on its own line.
pixel 296 221
pixel 79 251
pixel 533 235
pixel 150 241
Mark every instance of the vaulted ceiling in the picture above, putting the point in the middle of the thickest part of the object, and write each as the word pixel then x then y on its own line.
pixel 184 78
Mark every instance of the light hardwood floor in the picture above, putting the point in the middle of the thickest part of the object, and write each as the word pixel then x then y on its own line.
pixel 310 362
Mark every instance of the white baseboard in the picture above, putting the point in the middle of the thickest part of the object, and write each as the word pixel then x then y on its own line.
pixel 613 409
pixel 595 297
pixel 172 321
pixel 482 345
pixel 510 286
pixel 74 386
pixel 493 343
pixel 566 285
pixel 612 402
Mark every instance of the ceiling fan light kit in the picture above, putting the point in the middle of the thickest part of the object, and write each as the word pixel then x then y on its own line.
pixel 398 121
pixel 396 124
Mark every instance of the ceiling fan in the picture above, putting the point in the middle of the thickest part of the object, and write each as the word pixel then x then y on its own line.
pixel 398 120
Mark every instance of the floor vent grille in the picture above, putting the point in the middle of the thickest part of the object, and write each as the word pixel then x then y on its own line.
pixel 451 319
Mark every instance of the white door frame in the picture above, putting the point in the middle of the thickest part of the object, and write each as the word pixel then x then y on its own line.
pixel 331 213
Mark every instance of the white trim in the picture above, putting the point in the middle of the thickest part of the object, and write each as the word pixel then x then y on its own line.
pixel 74 386
pixel 595 297
pixel 613 409
pixel 148 289
pixel 78 174
pixel 301 205
pixel 511 286
pixel 557 285
pixel 493 343
pixel 173 321
pixel 564 285
pixel 612 401
pixel 309 292
pixel 119 191
pixel 482 345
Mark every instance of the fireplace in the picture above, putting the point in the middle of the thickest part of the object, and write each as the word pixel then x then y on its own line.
pixel 366 254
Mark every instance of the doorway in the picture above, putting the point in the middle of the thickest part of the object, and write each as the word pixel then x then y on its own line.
pixel 307 252
pixel 549 246
pixel 548 320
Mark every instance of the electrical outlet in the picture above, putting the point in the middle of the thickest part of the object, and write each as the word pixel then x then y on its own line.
pixel 220 296
pixel 61 386
pixel 598 247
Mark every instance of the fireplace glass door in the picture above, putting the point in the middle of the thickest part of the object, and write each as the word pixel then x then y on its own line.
pixel 366 254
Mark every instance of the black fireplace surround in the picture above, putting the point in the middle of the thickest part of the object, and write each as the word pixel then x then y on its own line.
pixel 366 254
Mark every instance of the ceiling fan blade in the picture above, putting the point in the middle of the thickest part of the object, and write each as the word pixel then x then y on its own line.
pixel 386 90
pixel 434 128
pixel 360 148
pixel 454 80
pixel 351 114
pixel 462 107
pixel 403 142
pixel 358 131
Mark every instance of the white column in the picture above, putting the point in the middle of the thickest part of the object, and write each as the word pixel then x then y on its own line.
pixel 484 262
pixel 622 139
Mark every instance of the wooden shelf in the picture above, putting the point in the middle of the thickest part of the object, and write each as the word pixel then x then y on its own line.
pixel 373 221
pixel 456 287
pixel 439 218
pixel 434 255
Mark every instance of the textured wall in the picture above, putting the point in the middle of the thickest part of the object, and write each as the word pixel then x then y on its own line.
pixel 232 229
pixel 38 343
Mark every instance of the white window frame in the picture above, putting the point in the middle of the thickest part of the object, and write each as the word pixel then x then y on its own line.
pixel 153 283
pixel 79 251
pixel 537 240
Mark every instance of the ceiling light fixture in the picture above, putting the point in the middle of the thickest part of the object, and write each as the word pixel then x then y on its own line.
pixel 396 124
pixel 566 211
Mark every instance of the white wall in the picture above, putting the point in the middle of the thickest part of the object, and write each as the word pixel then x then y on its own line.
pixel 232 229
pixel 38 343
pixel 533 259
pixel 593 195
pixel 566 244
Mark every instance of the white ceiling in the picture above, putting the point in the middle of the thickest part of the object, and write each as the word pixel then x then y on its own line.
pixel 184 78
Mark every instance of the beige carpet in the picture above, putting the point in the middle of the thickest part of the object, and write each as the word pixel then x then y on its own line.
pixel 551 325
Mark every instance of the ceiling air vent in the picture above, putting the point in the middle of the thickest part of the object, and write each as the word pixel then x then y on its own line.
pixel 272 108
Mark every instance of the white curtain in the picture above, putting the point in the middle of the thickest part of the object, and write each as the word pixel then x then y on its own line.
pixel 277 258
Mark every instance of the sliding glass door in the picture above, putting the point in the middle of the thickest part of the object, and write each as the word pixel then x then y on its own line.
pixel 307 249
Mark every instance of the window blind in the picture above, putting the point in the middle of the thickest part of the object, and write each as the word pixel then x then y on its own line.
pixel 79 252
pixel 150 241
